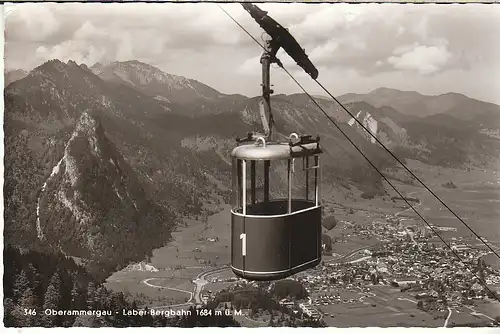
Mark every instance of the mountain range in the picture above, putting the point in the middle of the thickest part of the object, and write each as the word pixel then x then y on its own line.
pixel 413 104
pixel 102 162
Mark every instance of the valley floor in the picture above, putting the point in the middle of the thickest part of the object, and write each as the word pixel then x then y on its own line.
pixel 195 261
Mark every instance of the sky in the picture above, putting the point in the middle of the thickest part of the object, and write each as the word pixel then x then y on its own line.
pixel 432 49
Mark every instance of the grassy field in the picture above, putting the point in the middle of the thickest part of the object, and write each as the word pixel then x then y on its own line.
pixel 382 319
pixel 366 315
pixel 190 246
pixel 162 296
pixel 179 283
pixel 488 308
pixel 125 277
pixel 382 310
pixel 478 207
pixel 132 282
pixel 464 318
pixel 476 199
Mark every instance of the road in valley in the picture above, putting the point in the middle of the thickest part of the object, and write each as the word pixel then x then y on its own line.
pixel 146 281
pixel 195 295
pixel 408 209
pixel 200 281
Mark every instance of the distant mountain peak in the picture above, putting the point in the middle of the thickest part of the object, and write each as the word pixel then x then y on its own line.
pixel 18 70
pixel 154 82
pixel 51 64
pixel 383 90
pixel 392 91
pixel 14 75
pixel 323 97
pixel 136 63
pixel 56 65
pixel 456 95
pixel 54 61
pixel 97 68
pixel 147 73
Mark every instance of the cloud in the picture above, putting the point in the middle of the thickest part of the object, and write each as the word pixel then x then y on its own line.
pixel 324 53
pixel 401 30
pixel 124 30
pixel 362 34
pixel 35 23
pixel 318 27
pixel 71 50
pixel 249 66
pixel 423 59
pixel 360 42
pixel 402 49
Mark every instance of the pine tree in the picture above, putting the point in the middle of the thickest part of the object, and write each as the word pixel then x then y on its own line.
pixel 75 297
pixel 9 308
pixel 52 299
pixel 91 294
pixel 20 285
pixel 101 297
pixel 35 278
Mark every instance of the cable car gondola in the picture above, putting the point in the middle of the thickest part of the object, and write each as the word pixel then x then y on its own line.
pixel 268 212
pixel 273 237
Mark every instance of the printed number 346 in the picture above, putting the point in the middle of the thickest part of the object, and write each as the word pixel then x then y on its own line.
pixel 29 311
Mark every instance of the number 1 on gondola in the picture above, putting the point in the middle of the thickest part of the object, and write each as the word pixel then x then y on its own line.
pixel 243 238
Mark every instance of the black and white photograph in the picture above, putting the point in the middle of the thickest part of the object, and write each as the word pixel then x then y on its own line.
pixel 251 165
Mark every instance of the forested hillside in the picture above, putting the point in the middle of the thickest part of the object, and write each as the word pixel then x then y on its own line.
pixel 36 282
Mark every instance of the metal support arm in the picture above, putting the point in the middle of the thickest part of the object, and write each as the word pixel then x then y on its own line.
pixel 278 37
pixel 267 58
